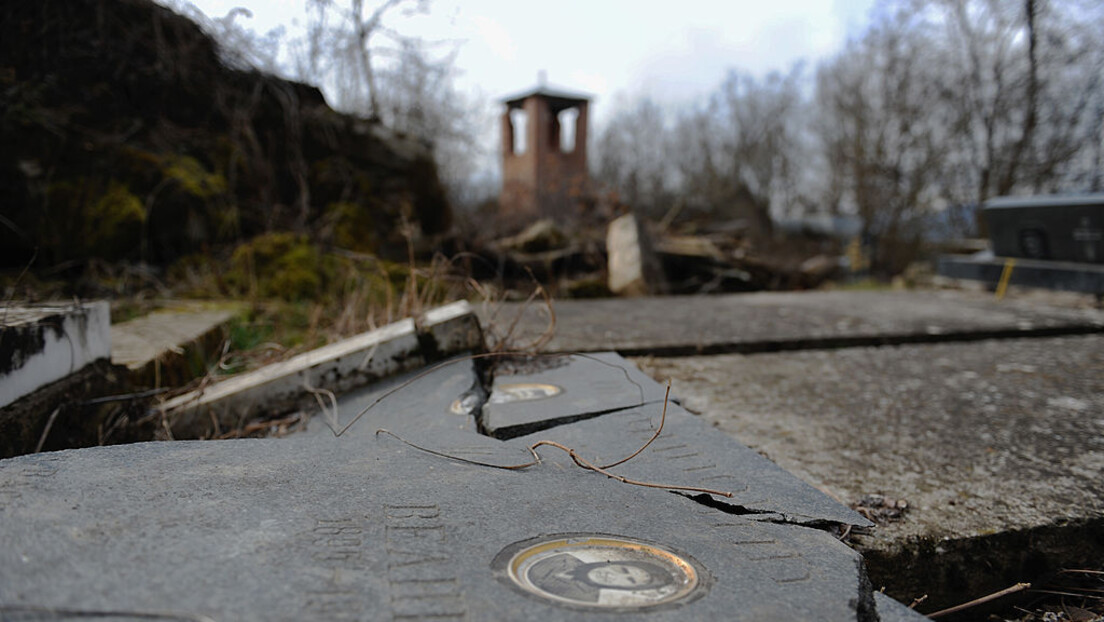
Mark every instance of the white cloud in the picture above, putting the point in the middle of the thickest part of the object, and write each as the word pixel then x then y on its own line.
pixel 496 37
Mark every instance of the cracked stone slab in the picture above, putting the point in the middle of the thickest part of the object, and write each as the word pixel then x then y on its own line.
pixel 544 391
pixel 996 446
pixel 690 452
pixel 764 322
pixel 351 528
pixel 441 398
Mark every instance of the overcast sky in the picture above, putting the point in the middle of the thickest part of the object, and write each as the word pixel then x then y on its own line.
pixel 673 50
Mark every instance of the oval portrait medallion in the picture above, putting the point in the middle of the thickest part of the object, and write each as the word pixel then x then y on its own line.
pixel 600 571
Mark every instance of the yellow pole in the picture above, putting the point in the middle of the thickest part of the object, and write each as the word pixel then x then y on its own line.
pixel 1006 276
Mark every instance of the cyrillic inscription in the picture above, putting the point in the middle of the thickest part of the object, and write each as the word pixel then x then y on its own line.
pixel 422 581
pixel 336 546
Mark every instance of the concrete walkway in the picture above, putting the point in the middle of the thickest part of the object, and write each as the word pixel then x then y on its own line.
pixel 769 322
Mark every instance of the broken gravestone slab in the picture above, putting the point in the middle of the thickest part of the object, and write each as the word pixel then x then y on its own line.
pixel 534 393
pixel 690 452
pixel 603 406
pixel 442 398
pixel 352 529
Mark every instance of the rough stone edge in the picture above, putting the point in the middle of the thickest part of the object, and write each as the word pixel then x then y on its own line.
pixel 81 332
pixel 890 610
pixel 955 570
pixel 23 422
pixel 338 367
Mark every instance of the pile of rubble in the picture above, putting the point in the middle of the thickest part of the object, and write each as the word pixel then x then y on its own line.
pixel 633 257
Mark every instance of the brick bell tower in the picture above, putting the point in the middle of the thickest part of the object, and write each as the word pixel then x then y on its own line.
pixel 544 154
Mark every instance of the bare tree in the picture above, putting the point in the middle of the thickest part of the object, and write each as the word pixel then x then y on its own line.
pixel 343 47
pixel 1021 82
pixel 735 157
pixel 758 127
pixel 632 156
pixel 879 130
pixel 951 102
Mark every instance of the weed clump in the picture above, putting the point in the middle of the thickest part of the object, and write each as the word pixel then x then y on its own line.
pixel 279 265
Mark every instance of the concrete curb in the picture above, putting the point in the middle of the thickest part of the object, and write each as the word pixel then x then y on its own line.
pixel 339 367
pixel 43 344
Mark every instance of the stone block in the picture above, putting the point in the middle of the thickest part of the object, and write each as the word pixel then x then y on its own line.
pixel 43 344
pixel 531 394
pixel 770 322
pixel 169 347
pixel 633 267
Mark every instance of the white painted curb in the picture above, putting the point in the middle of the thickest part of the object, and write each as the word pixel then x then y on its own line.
pixel 45 344
pixel 338 367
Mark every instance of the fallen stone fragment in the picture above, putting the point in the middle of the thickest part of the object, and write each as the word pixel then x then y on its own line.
pixel 534 393
pixel 634 269
pixel 441 398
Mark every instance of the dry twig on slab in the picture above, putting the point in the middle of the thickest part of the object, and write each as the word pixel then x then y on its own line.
pixel 1019 587
pixel 577 459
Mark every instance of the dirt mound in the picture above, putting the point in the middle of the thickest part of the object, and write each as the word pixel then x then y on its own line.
pixel 126 138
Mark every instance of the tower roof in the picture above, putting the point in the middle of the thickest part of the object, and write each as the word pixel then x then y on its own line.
pixel 559 97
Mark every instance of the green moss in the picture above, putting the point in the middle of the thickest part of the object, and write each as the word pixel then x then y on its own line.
pixel 247 333
pixel 117 207
pixel 863 285
pixel 279 265
pixel 92 218
pixel 192 177
pixel 352 227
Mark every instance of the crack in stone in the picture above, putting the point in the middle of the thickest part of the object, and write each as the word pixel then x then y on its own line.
pixel 767 516
pixel 507 433
pixel 855 341
pixel 864 605
pixel 866 609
